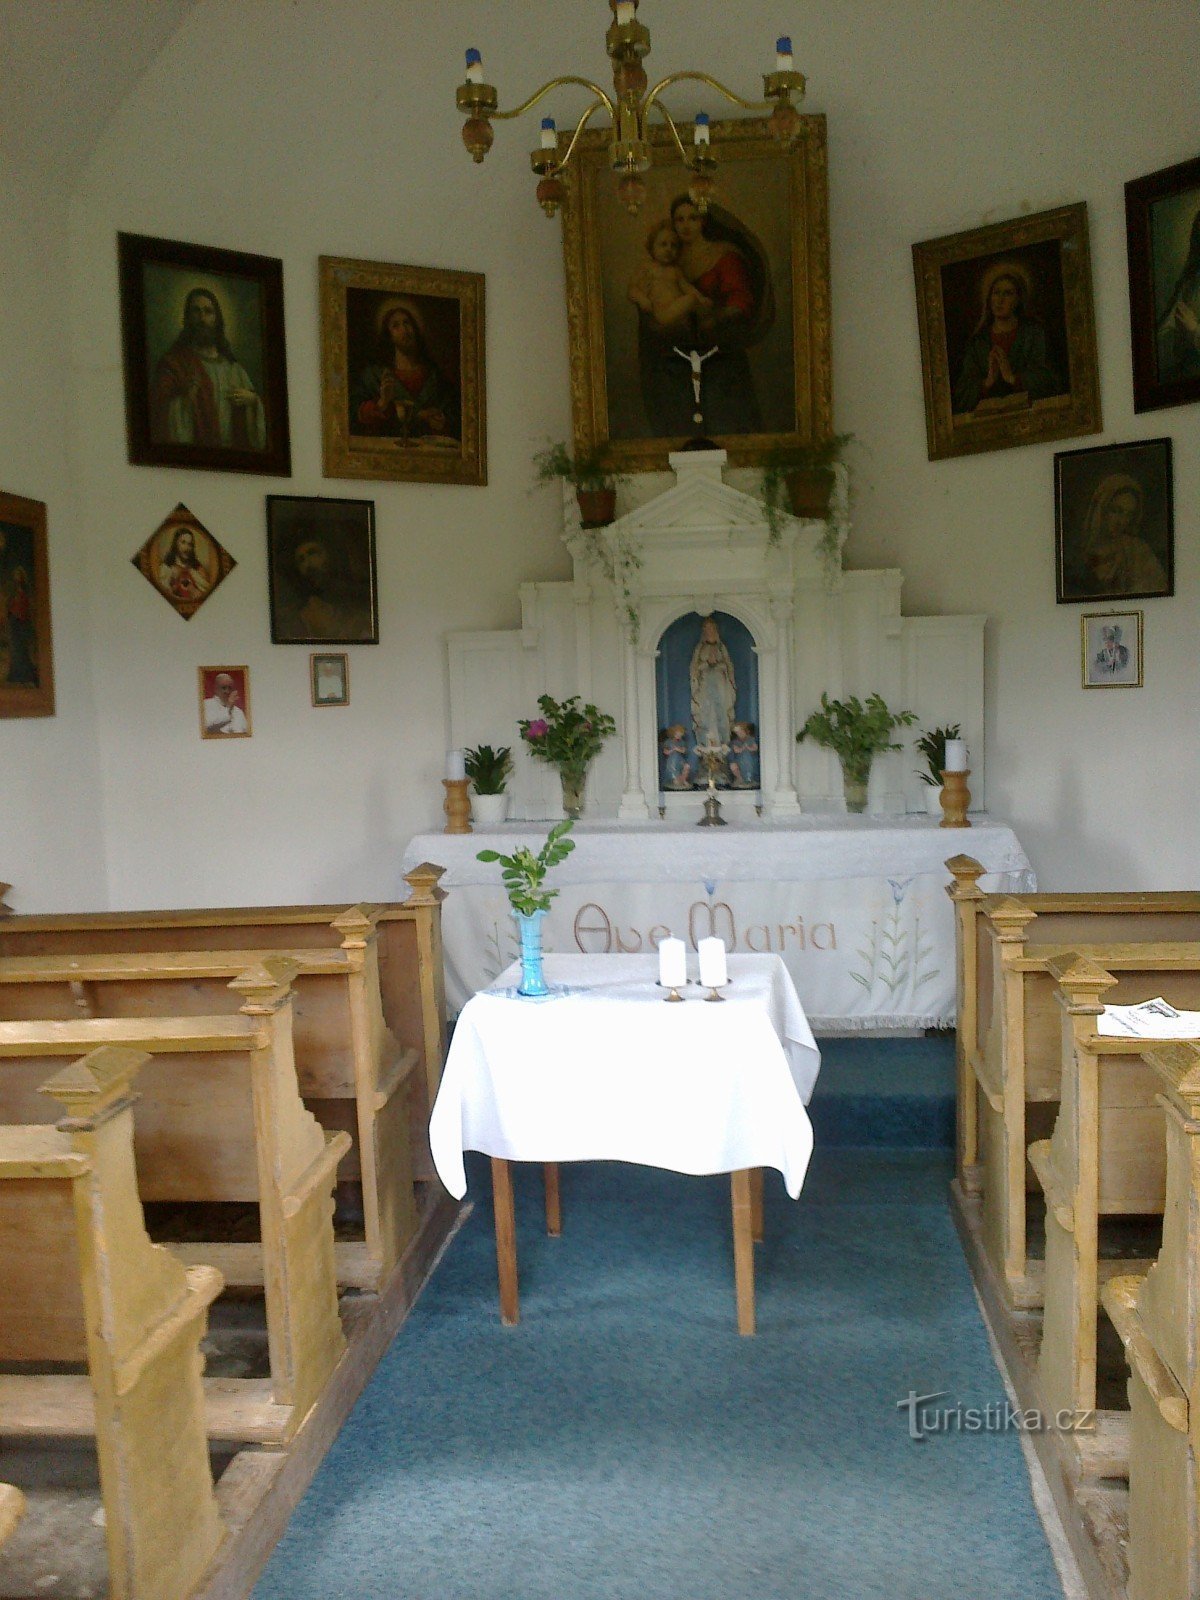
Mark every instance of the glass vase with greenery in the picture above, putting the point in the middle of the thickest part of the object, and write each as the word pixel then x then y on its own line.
pixel 524 876
pixel 568 736
pixel 856 733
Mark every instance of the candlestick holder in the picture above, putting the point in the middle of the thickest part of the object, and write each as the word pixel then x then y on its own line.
pixel 713 991
pixel 457 805
pixel 672 996
pixel 956 797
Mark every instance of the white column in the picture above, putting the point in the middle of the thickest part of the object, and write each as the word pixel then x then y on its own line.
pixel 782 801
pixel 633 807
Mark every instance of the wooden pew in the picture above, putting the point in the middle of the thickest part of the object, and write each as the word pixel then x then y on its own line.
pixel 353 1073
pixel 83 1283
pixel 409 956
pixel 12 1501
pixel 1107 1157
pixel 1158 1319
pixel 220 1118
pixel 1008 1030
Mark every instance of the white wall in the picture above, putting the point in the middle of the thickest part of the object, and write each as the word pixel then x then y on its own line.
pixel 309 127
pixel 51 825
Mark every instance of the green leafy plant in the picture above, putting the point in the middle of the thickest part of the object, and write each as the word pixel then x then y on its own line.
pixel 932 745
pixel 587 470
pixel 781 464
pixel 856 732
pixel 524 873
pixel 488 769
pixel 567 735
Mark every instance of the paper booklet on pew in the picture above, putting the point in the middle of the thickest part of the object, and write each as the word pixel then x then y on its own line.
pixel 1149 1019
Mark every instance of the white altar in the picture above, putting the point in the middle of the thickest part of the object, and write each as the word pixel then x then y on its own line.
pixel 856 906
pixel 688 543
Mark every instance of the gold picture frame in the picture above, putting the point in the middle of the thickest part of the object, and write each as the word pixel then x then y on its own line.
pixel 1110 649
pixel 1038 382
pixel 403 392
pixel 631 397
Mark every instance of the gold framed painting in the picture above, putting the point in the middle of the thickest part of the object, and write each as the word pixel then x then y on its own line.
pixel 402 372
pixel 1008 336
pixel 744 286
pixel 26 653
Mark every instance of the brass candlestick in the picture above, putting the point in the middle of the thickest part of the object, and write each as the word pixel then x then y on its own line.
pixel 956 797
pixel 457 805
pixel 674 994
pixel 714 990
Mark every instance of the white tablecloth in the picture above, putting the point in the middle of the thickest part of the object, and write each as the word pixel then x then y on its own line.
pixel 605 1070
pixel 856 906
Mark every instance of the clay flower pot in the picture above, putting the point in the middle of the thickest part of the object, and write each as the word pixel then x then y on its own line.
pixel 809 493
pixel 597 507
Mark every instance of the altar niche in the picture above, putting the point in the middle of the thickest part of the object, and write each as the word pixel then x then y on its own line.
pixel 706 683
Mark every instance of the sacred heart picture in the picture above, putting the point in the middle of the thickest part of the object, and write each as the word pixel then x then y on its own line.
pixel 183 561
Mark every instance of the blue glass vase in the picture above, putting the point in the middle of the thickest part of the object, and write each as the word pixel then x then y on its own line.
pixel 533 979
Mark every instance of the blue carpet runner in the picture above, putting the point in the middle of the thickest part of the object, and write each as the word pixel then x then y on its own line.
pixel 623 1443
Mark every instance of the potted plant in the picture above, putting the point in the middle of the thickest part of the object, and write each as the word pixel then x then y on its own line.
pixel 524 877
pixel 568 736
pixel 488 771
pixel 856 732
pixel 588 472
pixel 932 745
pixel 798 480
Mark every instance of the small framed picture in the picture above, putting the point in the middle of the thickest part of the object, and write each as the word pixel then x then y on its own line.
pixel 183 561
pixel 321 570
pixel 330 676
pixel 1112 649
pixel 1162 232
pixel 1008 340
pixel 224 702
pixel 26 657
pixel 1114 530
pixel 205 362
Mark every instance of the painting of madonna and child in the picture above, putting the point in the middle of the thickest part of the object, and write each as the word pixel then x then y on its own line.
pixel 708 704
pixel 688 323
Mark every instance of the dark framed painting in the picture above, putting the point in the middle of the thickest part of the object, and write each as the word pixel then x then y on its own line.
pixel 183 561
pixel 1008 334
pixel 26 652
pixel 205 363
pixel 403 392
pixel 735 297
pixel 1114 529
pixel 1111 649
pixel 1162 232
pixel 321 570
pixel 224 702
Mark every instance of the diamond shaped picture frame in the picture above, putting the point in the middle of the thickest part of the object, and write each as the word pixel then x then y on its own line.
pixel 184 562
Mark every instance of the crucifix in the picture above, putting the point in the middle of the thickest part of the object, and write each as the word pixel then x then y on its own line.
pixel 696 362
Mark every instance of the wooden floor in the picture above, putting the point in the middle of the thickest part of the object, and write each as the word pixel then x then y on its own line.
pixel 1098 1541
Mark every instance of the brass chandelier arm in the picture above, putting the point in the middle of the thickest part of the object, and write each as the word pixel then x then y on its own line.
pixel 579 127
pixel 703 77
pixel 557 83
pixel 684 154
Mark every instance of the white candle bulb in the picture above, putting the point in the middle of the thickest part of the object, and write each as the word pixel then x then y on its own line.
pixel 549 133
pixel 456 765
pixel 474 67
pixel 701 134
pixel 783 54
pixel 625 10
pixel 713 971
pixel 956 755
pixel 672 963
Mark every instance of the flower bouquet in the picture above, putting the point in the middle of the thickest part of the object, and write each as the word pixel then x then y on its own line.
pixel 568 736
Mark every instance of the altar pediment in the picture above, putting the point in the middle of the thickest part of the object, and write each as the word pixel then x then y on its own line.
pixel 686 549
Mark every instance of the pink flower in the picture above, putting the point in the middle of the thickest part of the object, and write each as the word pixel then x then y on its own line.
pixel 537 729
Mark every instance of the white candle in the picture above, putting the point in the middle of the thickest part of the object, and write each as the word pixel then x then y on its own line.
pixel 956 755
pixel 549 133
pixel 474 67
pixel 713 972
pixel 783 54
pixel 625 10
pixel 456 765
pixel 701 134
pixel 672 963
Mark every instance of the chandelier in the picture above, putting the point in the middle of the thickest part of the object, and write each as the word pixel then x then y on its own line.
pixel 628 109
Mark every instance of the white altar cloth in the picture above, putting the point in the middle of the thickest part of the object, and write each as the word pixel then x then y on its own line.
pixel 856 906
pixel 605 1069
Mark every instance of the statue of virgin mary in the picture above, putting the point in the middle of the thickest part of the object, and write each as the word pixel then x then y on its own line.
pixel 713 686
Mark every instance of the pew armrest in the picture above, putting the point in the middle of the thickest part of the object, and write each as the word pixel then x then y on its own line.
pixel 979 1066
pixel 1058 1198
pixel 319 1174
pixel 1119 1297
pixel 204 1284
pixel 392 1074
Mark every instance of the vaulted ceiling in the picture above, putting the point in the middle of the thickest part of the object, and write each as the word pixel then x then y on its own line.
pixel 65 67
